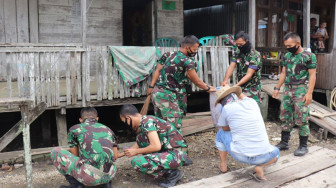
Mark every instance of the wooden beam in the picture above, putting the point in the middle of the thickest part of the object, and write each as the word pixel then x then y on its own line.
pixel 17 128
pixel 306 24
pixel 84 21
pixel 334 27
pixel 252 21
pixel 33 21
pixel 26 145
pixel 61 127
pixel 15 101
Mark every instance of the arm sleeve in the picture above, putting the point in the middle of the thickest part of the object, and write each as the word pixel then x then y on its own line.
pixel 311 62
pixel 189 65
pixel 113 139
pixel 150 125
pixel 72 139
pixel 222 120
pixel 255 62
pixel 163 58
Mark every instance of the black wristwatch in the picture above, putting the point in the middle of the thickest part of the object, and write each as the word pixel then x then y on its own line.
pixel 208 88
pixel 151 86
pixel 275 88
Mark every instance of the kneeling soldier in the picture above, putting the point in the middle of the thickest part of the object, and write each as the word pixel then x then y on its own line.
pixel 160 142
pixel 93 150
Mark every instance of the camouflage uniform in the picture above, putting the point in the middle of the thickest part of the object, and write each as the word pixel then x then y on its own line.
pixel 170 156
pixel 95 143
pixel 252 60
pixel 293 111
pixel 169 96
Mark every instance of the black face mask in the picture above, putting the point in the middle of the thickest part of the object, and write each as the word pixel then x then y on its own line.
pixel 130 124
pixel 191 53
pixel 292 49
pixel 246 48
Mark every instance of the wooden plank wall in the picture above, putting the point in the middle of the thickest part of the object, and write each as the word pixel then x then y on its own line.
pixel 60 22
pixel 170 22
pixel 326 68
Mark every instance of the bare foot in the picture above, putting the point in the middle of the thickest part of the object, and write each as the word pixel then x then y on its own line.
pixel 260 172
pixel 222 167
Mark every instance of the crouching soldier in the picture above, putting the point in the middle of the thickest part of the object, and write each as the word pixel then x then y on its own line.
pixel 93 150
pixel 161 144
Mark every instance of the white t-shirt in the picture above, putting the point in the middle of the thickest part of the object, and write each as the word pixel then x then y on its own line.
pixel 249 136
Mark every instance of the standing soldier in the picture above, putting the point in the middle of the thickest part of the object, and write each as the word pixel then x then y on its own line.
pixel 168 85
pixel 248 61
pixel 162 146
pixel 299 66
pixel 93 150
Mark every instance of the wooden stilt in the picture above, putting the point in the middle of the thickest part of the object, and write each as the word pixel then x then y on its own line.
pixel 26 144
pixel 264 105
pixel 61 126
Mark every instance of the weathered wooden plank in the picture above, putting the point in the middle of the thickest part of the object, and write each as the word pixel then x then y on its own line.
pixel 22 21
pixel 10 23
pixel 105 53
pixel 324 178
pixel 43 76
pixel 2 23
pixel 79 66
pixel 200 64
pixel 33 21
pixel 20 68
pixel 26 75
pixel 110 78
pixel 57 77
pixel 17 128
pixel 84 79
pixel 68 79
pixel 31 76
pixel 87 75
pixel 48 81
pixel 115 82
pixel 84 22
pixel 73 78
pixel 99 73
pixel 9 59
pixel 61 127
pixel 213 63
pixel 205 64
pixel 37 78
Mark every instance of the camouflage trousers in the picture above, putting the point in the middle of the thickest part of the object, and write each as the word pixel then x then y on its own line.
pixel 169 105
pixel 253 93
pixel 293 111
pixel 155 164
pixel 69 164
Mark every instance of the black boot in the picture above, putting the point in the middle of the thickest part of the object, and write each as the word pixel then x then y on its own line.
pixel 303 149
pixel 73 183
pixel 187 162
pixel 171 177
pixel 283 145
pixel 106 185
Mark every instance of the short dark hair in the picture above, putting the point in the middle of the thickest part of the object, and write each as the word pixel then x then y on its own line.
pixel 292 35
pixel 313 19
pixel 243 35
pixel 189 40
pixel 88 113
pixel 128 109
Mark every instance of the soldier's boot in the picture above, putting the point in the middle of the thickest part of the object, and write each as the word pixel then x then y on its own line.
pixel 187 162
pixel 171 177
pixel 73 183
pixel 106 185
pixel 303 149
pixel 283 145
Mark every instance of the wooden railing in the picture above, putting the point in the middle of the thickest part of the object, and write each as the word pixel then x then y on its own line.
pixel 70 76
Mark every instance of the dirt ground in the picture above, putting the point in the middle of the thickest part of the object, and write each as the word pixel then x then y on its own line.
pixel 201 150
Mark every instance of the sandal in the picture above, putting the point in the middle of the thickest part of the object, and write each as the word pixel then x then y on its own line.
pixel 257 178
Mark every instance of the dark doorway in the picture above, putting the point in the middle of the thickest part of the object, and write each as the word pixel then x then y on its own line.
pixel 137 23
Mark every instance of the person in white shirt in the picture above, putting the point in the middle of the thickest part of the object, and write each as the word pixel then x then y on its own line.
pixel 243 134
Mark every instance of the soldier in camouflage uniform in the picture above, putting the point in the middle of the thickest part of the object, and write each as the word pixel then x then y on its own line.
pixel 299 66
pixel 161 144
pixel 93 150
pixel 168 85
pixel 248 62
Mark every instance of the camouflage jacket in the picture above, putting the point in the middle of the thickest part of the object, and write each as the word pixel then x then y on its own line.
pixel 95 142
pixel 173 73
pixel 246 61
pixel 297 67
pixel 169 136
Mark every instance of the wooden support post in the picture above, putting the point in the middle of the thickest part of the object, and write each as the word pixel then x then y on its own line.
pixel 325 134
pixel 264 105
pixel 17 128
pixel 328 96
pixel 26 144
pixel 61 127
pixel 252 21
pixel 306 24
